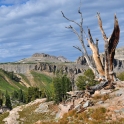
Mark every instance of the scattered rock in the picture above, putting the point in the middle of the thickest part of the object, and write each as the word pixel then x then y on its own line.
pixel 77 107
pixel 100 102
pixel 44 107
pixel 117 111
pixel 86 104
pixel 103 92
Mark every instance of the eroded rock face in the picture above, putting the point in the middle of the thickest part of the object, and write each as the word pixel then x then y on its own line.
pixel 45 67
pixel 71 70
pixel 119 53
pixel 17 68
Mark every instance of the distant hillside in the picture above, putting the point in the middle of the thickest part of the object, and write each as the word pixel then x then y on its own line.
pixel 42 57
pixel 10 81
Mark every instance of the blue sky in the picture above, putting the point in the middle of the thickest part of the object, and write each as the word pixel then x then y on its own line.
pixel 37 26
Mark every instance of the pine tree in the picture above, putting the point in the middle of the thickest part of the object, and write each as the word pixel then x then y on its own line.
pixel 20 96
pixel 8 101
pixel 15 95
pixel 1 98
pixel 61 84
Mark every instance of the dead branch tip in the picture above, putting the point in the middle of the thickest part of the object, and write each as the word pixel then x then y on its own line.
pixel 98 13
pixel 88 45
pixel 62 14
pixel 115 16
pixel 97 39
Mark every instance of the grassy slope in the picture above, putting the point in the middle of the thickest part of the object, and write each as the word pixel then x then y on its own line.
pixel 8 84
pixel 4 85
pixel 42 81
pixel 25 78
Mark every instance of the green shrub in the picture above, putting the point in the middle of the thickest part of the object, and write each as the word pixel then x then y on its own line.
pixel 86 80
pixel 121 76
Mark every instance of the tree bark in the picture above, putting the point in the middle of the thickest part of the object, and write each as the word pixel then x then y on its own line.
pixel 113 41
pixel 96 56
pixel 110 46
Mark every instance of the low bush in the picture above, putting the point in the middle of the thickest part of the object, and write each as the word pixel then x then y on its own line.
pixel 86 80
pixel 121 76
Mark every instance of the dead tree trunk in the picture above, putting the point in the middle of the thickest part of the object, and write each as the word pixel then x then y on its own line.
pixel 102 72
pixel 110 46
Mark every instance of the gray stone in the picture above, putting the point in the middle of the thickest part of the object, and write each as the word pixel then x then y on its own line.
pixel 86 104
pixel 77 107
pixel 100 102
pixel 122 110
pixel 117 111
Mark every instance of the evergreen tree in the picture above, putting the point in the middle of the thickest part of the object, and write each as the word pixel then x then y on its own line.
pixel 24 97
pixel 8 101
pixel 1 98
pixel 20 95
pixel 15 95
pixel 33 93
pixel 61 84
pixel 57 89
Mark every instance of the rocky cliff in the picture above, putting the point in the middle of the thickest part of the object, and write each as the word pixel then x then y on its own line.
pixel 119 53
pixel 68 68
pixel 18 68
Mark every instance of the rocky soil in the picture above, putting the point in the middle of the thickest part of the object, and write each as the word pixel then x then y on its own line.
pixel 13 117
pixel 112 100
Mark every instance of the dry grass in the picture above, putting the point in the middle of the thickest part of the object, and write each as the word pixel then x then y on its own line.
pixel 2 116
pixel 97 97
pixel 90 116
pixel 105 97
pixel 28 116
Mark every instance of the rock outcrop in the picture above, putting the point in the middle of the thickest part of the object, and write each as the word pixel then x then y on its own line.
pixel 65 68
pixel 69 68
pixel 17 68
pixel 119 53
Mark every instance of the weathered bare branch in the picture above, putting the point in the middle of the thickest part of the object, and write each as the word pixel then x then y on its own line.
pixel 69 19
pixel 90 36
pixel 97 42
pixel 101 28
pixel 96 55
pixel 113 41
pixel 78 48
pixel 106 47
pixel 81 16
pixel 76 33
